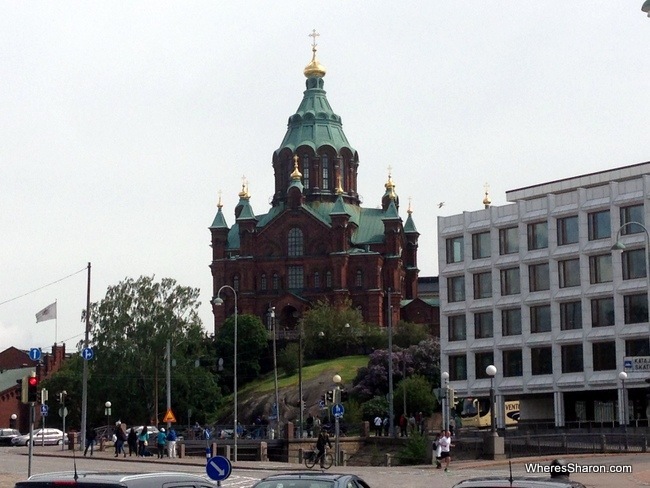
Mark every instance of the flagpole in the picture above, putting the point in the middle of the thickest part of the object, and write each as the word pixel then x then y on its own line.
pixel 84 394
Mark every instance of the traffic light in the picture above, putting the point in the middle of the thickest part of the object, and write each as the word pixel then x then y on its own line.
pixel 452 397
pixel 22 383
pixel 32 389
pixel 330 396
pixel 344 395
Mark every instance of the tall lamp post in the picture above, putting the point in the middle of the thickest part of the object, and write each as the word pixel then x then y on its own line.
pixel 391 413
pixel 12 420
pixel 275 367
pixel 646 7
pixel 337 399
pixel 445 401
pixel 300 402
pixel 107 412
pixel 623 376
pixel 491 370
pixel 218 301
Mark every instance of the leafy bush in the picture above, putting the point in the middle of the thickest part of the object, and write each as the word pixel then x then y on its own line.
pixel 415 450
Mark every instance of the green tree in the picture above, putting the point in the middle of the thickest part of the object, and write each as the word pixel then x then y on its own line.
pixel 408 334
pixel 130 328
pixel 288 359
pixel 252 347
pixel 332 331
pixel 419 396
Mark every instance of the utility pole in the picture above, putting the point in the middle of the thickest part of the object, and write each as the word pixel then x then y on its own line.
pixel 391 413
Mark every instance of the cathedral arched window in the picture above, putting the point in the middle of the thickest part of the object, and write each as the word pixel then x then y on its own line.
pixel 358 280
pixel 295 242
pixel 317 280
pixel 263 284
pixel 296 277
pixel 235 282
pixel 328 279
pixel 276 281
pixel 342 173
pixel 325 163
pixel 305 171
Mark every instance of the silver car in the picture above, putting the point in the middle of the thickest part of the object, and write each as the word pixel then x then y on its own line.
pixel 118 480
pixel 41 436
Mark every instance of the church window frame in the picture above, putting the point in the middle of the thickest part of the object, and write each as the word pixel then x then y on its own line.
pixel 263 282
pixel 305 171
pixel 328 279
pixel 316 280
pixel 296 277
pixel 295 242
pixel 325 170
pixel 276 281
pixel 358 279
pixel 235 282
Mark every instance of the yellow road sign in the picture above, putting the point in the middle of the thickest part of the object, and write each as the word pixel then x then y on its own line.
pixel 169 416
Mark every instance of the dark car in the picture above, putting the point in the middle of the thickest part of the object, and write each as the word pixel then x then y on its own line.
pixel 518 482
pixel 311 479
pixel 6 435
pixel 117 480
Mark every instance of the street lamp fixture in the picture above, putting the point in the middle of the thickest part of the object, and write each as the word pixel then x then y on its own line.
pixel 218 301
pixel 445 400
pixel 623 376
pixel 107 412
pixel 337 399
pixel 491 371
pixel 646 7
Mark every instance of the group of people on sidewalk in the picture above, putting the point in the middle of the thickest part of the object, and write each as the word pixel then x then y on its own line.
pixel 136 440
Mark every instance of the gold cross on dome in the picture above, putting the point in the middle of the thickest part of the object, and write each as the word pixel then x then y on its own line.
pixel 314 35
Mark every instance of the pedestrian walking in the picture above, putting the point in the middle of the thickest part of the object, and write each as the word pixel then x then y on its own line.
pixel 120 437
pixel 171 442
pixel 403 422
pixel 378 426
pixel 386 423
pixel 143 441
pixel 91 436
pixel 437 448
pixel 161 441
pixel 445 449
pixel 132 441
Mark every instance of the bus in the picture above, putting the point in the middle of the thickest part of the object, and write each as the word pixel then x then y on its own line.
pixel 475 412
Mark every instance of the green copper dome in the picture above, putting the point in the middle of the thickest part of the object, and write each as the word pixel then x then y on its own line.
pixel 315 124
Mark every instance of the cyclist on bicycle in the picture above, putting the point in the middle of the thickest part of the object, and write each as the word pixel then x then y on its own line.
pixel 323 440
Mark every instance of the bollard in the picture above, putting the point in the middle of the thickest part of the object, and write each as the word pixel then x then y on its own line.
pixel 301 456
pixel 387 460
pixel 342 459
pixel 181 451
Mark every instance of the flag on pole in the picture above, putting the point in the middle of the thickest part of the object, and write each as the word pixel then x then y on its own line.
pixel 48 313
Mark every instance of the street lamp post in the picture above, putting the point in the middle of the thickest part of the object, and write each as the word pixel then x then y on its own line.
pixel 623 376
pixel 12 421
pixel 107 412
pixel 218 301
pixel 646 7
pixel 337 399
pixel 300 404
pixel 391 413
pixel 491 370
pixel 275 368
pixel 445 401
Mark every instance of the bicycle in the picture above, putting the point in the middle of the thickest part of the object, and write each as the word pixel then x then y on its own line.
pixel 311 459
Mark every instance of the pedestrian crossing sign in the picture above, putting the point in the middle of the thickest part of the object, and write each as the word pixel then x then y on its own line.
pixel 169 416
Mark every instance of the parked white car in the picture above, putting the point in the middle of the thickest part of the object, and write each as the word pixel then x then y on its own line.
pixel 41 436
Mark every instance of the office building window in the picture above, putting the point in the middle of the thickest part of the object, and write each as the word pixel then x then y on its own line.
pixel 539 277
pixel 600 268
pixel 483 285
pixel 456 288
pixel 540 319
pixel 567 230
pixel 572 358
pixel 537 236
pixel 263 284
pixel 483 325
pixel 570 315
pixel 635 308
pixel 510 281
pixel 509 240
pixel 602 312
pixel 482 361
pixel 633 213
pixel 599 225
pixel 637 347
pixel 633 264
pixel 296 280
pixel 604 355
pixel 481 245
pixel 511 322
pixel 457 328
pixel 295 242
pixel 512 363
pixel 458 367
pixel 569 271
pixel 455 249
pixel 541 360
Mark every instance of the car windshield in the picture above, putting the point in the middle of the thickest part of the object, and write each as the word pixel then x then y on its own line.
pixel 295 483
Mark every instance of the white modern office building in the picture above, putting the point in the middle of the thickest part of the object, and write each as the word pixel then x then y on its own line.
pixel 534 288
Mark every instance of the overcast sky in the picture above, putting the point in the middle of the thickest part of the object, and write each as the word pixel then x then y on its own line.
pixel 121 121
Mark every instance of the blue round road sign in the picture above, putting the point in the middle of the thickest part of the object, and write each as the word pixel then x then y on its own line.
pixel 338 410
pixel 35 354
pixel 218 468
pixel 87 353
